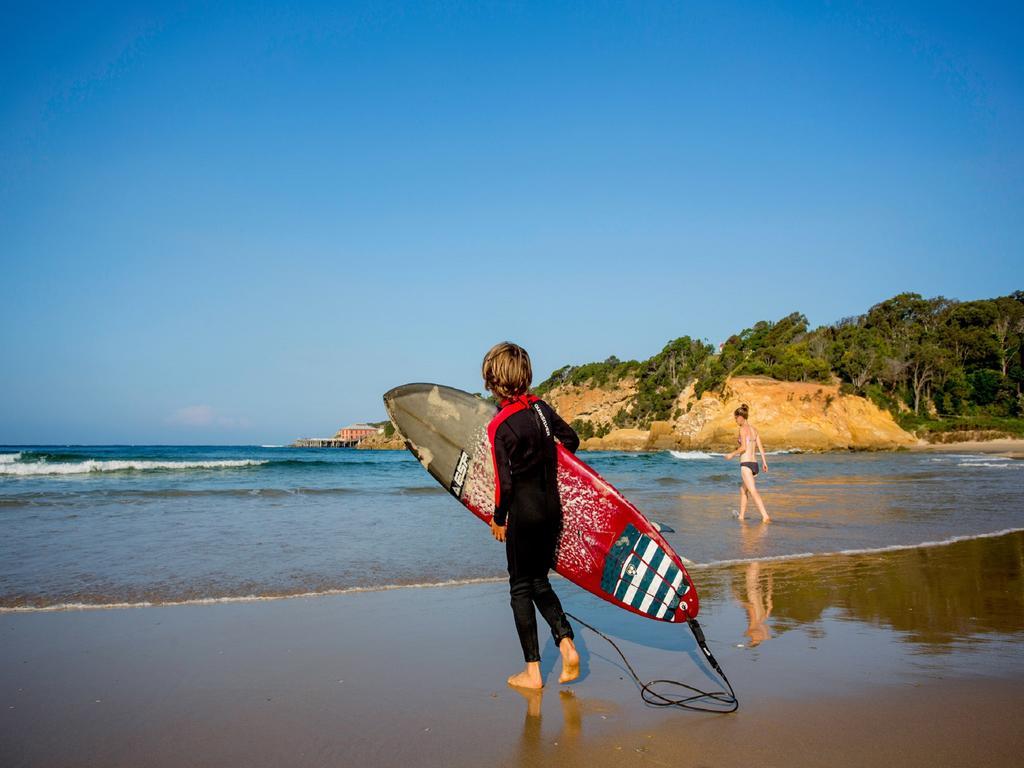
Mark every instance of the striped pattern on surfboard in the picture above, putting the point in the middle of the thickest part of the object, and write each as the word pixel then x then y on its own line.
pixel 639 573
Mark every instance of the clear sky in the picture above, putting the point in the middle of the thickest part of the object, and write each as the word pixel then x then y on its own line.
pixel 243 222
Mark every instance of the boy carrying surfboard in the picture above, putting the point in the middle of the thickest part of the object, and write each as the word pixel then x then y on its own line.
pixel 527 508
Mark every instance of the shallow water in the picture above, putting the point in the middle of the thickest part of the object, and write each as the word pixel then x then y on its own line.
pixel 103 525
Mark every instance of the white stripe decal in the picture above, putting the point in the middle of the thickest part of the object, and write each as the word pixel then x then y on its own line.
pixel 656 584
pixel 652 548
pixel 641 571
pixel 646 602
pixel 631 592
pixel 664 566
pixel 622 572
pixel 671 594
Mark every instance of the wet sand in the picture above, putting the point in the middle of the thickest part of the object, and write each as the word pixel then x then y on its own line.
pixel 910 656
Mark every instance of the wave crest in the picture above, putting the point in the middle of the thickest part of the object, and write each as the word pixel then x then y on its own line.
pixel 704 455
pixel 693 455
pixel 88 466
pixel 994 462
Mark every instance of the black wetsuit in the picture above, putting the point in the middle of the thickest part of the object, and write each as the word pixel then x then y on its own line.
pixel 526 463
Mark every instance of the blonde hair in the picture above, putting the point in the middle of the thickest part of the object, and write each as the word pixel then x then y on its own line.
pixel 743 411
pixel 507 371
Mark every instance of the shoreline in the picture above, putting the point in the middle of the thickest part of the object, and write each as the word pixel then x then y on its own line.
pixel 416 677
pixel 696 567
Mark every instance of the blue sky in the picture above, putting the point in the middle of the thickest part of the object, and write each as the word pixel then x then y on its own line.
pixel 235 223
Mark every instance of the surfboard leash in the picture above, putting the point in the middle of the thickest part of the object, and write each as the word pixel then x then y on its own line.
pixel 718 702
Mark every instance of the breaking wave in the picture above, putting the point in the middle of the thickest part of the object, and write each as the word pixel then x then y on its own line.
pixel 704 455
pixel 24 469
pixel 694 455
pixel 994 462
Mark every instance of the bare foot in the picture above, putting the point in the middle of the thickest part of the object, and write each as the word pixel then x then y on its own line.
pixel 570 661
pixel 765 519
pixel 529 678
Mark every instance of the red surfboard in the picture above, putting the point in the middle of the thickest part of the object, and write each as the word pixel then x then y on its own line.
pixel 607 546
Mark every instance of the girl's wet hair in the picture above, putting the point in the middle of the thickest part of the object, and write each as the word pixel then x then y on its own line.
pixel 507 370
pixel 743 411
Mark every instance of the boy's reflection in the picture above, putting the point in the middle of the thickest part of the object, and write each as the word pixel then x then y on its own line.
pixel 531 748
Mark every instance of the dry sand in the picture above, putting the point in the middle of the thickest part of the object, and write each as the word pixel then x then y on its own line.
pixel 1005 447
pixel 907 657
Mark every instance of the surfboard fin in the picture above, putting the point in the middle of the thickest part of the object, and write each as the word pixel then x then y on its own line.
pixel 662 527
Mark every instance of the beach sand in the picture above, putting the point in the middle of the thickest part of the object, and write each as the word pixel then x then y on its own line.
pixel 909 656
pixel 1004 447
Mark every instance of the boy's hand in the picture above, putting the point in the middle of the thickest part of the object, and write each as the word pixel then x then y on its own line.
pixel 498 531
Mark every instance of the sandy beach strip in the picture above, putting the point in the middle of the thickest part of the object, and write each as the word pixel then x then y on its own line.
pixel 834 663
pixel 1012 448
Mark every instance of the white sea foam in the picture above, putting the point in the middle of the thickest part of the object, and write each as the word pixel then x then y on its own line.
pixel 998 464
pixel 865 551
pixel 9 458
pixel 271 446
pixel 971 457
pixel 250 598
pixel 693 455
pixel 95 465
pixel 704 455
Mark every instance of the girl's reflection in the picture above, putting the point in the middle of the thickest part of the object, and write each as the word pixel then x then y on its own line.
pixel 750 538
pixel 758 603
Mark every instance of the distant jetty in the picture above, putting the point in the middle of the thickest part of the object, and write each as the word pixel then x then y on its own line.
pixel 323 442
pixel 346 437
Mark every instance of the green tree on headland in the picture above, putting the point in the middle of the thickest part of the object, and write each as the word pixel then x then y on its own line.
pixel 932 362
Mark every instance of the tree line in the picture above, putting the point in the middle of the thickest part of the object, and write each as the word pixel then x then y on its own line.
pixel 932 362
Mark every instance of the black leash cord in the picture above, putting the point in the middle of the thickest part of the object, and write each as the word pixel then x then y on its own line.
pixel 721 702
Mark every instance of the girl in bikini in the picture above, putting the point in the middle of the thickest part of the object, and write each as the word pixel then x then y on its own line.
pixel 749 443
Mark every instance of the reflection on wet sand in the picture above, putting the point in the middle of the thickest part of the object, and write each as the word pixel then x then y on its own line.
pixel 934 595
pixel 756 598
pixel 530 745
pixel 751 534
pixel 534 747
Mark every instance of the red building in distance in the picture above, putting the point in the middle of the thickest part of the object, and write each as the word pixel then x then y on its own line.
pixel 354 432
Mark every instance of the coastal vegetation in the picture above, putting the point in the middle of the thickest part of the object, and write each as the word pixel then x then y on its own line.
pixel 937 364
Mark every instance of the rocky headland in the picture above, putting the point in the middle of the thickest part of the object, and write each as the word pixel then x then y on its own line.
pixel 789 415
pixel 382 441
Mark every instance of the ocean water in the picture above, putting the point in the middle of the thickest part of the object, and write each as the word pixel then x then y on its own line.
pixel 94 526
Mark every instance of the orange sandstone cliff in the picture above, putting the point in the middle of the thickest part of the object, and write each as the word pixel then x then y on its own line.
pixel 797 415
pixel 380 441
